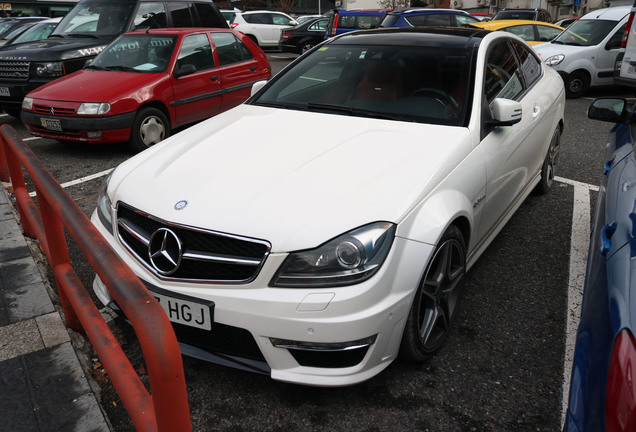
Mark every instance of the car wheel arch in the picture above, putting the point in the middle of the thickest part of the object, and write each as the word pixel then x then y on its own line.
pixel 429 220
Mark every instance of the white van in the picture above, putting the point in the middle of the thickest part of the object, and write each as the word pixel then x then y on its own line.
pixel 585 53
pixel 626 62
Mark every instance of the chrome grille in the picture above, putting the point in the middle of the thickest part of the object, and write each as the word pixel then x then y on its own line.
pixel 18 70
pixel 203 256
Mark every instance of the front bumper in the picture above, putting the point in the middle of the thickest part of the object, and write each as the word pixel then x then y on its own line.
pixel 256 317
pixel 113 129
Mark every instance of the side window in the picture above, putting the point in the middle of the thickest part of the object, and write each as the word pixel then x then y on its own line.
pixel 439 20
pixel 530 66
pixel 417 20
pixel 502 77
pixel 367 21
pixel 196 50
pixel 318 26
pixel 347 21
pixel 207 17
pixel 249 18
pixel 262 19
pixel 280 19
pixel 230 49
pixel 464 19
pixel 617 38
pixel 180 13
pixel 547 33
pixel 150 15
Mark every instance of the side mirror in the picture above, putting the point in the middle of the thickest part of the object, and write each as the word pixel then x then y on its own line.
pixel 505 112
pixel 607 109
pixel 88 62
pixel 186 69
pixel 257 86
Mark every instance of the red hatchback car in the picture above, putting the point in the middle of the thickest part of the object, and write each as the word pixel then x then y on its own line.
pixel 146 83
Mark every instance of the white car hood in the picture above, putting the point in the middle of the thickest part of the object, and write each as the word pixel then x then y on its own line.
pixel 548 49
pixel 295 179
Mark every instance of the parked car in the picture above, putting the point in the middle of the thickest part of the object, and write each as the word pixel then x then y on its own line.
pixel 83 33
pixel 303 37
pixel 565 22
pixel 429 17
pixel 524 14
pixel 585 53
pixel 602 386
pixel 304 18
pixel 263 27
pixel 533 32
pixel 229 15
pixel 343 21
pixel 164 78
pixel 38 31
pixel 317 261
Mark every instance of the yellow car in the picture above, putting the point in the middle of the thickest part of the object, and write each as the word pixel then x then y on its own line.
pixel 533 32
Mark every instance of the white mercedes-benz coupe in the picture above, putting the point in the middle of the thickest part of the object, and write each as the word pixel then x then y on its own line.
pixel 324 227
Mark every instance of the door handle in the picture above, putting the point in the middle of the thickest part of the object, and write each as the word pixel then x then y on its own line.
pixel 253 68
pixel 536 110
pixel 214 77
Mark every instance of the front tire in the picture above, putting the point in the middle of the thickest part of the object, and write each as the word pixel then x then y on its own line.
pixel 150 127
pixel 437 299
pixel 306 47
pixel 550 163
pixel 576 84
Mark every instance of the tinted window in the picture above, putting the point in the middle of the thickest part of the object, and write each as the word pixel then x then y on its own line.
pixel 196 50
pixel 207 15
pixel 180 13
pixel 389 20
pixel 368 21
pixel 229 49
pixel 347 21
pixel 503 78
pixel 150 15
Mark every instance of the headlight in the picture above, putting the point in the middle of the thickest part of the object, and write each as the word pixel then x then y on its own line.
pixel 105 206
pixel 554 60
pixel 51 69
pixel 27 103
pixel 93 108
pixel 348 259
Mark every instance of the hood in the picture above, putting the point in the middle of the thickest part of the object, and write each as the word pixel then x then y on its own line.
pixel 295 179
pixel 54 49
pixel 548 49
pixel 81 84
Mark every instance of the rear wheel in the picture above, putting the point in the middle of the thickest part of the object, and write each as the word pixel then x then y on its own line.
pixel 150 127
pixel 576 84
pixel 306 47
pixel 437 299
pixel 550 163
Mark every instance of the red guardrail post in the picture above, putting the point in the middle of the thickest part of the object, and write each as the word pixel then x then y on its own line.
pixel 167 409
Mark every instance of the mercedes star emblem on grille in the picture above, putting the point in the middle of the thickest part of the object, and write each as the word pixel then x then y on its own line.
pixel 165 251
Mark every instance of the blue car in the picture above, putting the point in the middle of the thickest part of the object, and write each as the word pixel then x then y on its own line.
pixel 427 17
pixel 603 383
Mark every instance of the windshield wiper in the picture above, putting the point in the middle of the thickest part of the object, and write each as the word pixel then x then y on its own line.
pixel 57 35
pixel 353 111
pixel 120 68
pixel 84 35
pixel 94 67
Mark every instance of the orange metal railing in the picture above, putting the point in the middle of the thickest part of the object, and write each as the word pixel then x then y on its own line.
pixel 165 409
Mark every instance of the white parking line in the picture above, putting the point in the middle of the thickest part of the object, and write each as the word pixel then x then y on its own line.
pixel 82 180
pixel 579 245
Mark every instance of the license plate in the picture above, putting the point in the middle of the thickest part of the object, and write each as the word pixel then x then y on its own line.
pixel 4 91
pixel 186 312
pixel 51 124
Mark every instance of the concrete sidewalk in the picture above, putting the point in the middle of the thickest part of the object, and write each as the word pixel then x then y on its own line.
pixel 42 384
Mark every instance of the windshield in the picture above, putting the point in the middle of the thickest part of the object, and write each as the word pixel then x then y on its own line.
pixel 94 20
pixel 144 53
pixel 586 32
pixel 37 32
pixel 387 82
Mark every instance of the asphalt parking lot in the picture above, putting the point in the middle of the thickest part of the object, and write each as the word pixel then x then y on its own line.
pixel 504 365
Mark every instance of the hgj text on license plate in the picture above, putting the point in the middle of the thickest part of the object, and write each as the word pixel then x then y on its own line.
pixel 186 312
